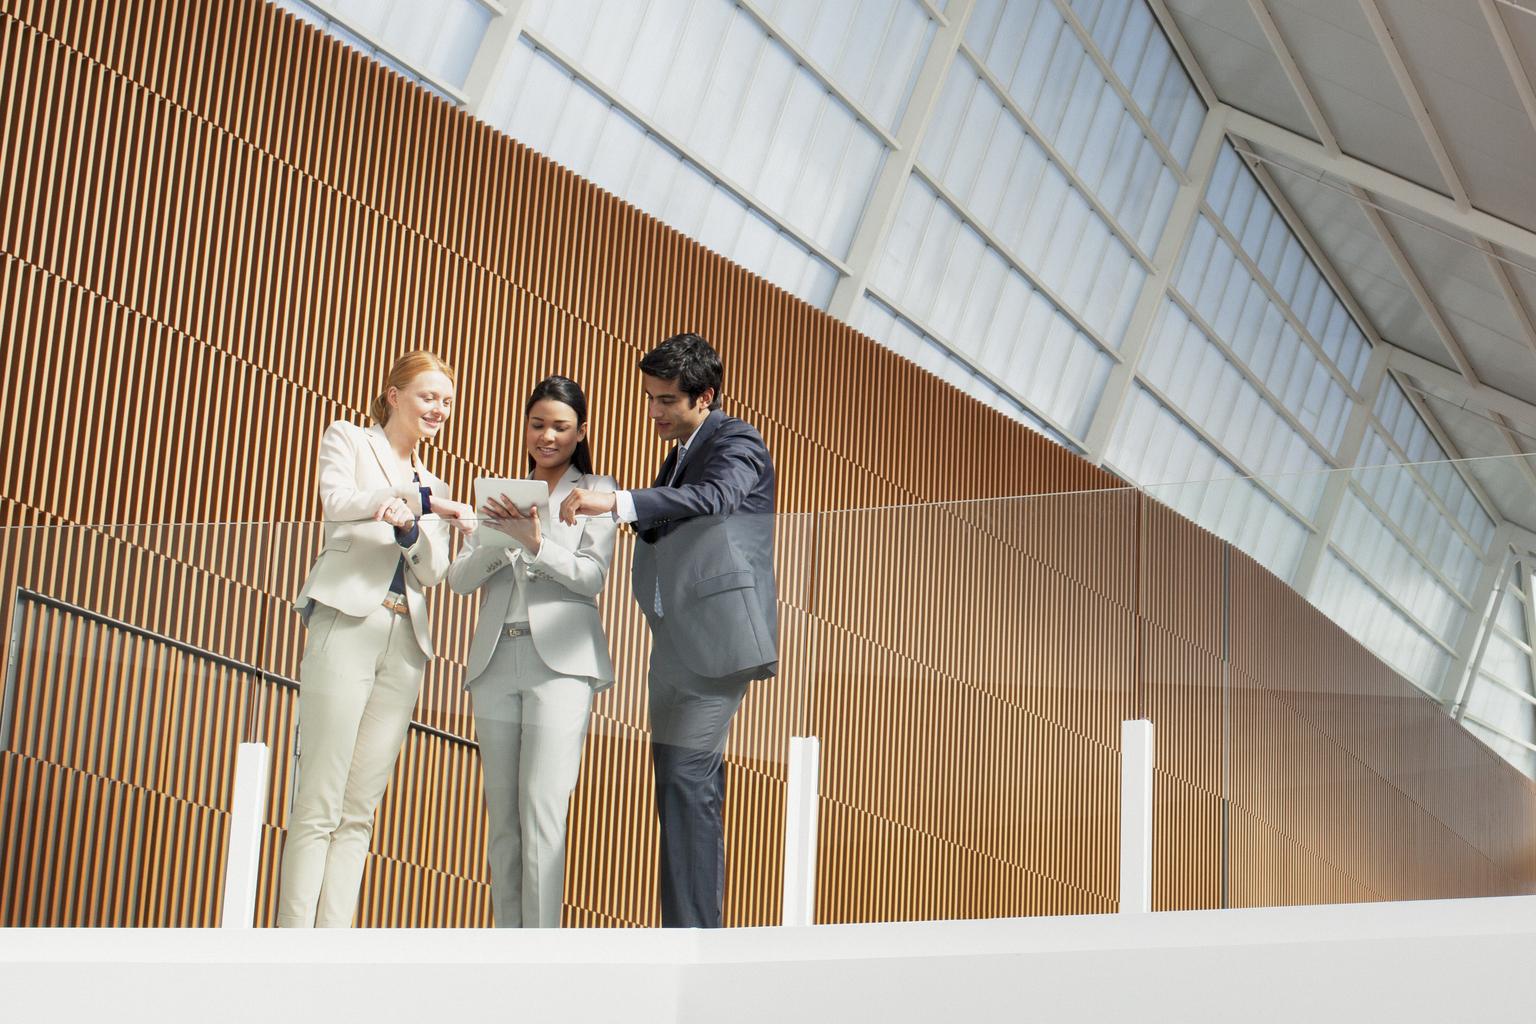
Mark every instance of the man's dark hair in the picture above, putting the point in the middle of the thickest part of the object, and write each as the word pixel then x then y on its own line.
pixel 689 360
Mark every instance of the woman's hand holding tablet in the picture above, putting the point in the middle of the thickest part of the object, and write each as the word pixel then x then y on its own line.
pixel 511 509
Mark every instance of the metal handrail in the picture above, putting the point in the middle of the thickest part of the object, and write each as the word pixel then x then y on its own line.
pixel 25 596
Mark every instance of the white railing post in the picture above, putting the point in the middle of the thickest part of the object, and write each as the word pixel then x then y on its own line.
pixel 1135 817
pixel 800 804
pixel 242 856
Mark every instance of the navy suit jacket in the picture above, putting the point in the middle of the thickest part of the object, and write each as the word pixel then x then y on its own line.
pixel 708 538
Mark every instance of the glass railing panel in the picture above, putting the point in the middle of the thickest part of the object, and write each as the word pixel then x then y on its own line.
pixel 976 663
pixel 1376 702
pixel 133 667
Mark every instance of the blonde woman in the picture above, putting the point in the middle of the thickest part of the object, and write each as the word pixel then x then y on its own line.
pixel 386 538
pixel 537 656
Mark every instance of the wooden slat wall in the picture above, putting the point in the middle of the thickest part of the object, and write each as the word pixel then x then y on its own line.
pixel 218 227
pixel 1181 607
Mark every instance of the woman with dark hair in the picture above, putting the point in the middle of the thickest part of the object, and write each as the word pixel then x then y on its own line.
pixel 537 656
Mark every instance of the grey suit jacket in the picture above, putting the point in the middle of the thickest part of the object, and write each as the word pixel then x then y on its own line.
pixel 358 557
pixel 708 539
pixel 561 584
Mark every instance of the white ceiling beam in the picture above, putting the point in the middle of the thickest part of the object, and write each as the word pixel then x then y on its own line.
pixel 1528 607
pixel 1186 56
pixel 1523 539
pixel 1511 295
pixel 891 184
pixel 1431 133
pixel 1445 379
pixel 1442 327
pixel 1528 332
pixel 1458 461
pixel 1454 683
pixel 1410 276
pixel 1293 75
pixel 1314 155
pixel 1325 132
pixel 496 48
pixel 1341 289
pixel 1338 481
pixel 1416 107
pixel 1517 73
pixel 1182 217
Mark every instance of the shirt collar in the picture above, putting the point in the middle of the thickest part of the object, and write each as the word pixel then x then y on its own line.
pixel 683 448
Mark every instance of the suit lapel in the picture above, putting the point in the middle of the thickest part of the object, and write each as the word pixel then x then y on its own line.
pixel 696 445
pixel 550 522
pixel 666 467
pixel 711 424
pixel 567 482
pixel 379 444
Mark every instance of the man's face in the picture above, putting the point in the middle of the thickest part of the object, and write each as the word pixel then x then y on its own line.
pixel 674 416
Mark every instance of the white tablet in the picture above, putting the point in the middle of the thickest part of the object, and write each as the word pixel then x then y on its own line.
pixel 525 494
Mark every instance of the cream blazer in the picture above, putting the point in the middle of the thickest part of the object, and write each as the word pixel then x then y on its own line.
pixel 561 583
pixel 358 556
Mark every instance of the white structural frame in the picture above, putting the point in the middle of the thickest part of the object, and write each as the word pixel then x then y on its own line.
pixel 1459 672
pixel 650 125
pixel 1386 360
pixel 1107 69
pixel 452 92
pixel 1476 676
pixel 1360 180
pixel 1263 144
pixel 1154 292
pixel 885 199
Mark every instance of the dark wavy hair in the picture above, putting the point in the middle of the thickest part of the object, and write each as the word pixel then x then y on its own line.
pixel 689 360
pixel 563 389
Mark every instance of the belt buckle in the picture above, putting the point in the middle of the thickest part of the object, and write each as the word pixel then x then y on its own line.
pixel 512 632
pixel 396 603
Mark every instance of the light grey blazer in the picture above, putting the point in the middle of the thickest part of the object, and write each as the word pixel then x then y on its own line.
pixel 561 584
pixel 359 555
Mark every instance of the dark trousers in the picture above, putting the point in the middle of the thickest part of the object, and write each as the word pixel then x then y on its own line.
pixel 690 719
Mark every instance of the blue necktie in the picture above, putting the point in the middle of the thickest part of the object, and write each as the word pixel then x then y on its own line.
pixel 677 468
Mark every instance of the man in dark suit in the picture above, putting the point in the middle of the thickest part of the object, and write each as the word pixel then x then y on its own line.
pixel 703 575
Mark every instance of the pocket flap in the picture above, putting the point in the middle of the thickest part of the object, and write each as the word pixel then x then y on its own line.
pixel 738 580
pixel 337 544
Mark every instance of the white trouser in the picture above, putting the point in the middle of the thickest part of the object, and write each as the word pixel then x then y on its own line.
pixel 357 685
pixel 531 725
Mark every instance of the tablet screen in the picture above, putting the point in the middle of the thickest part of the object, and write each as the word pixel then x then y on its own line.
pixel 525 494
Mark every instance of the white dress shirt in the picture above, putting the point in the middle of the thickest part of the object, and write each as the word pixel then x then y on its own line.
pixel 517 608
